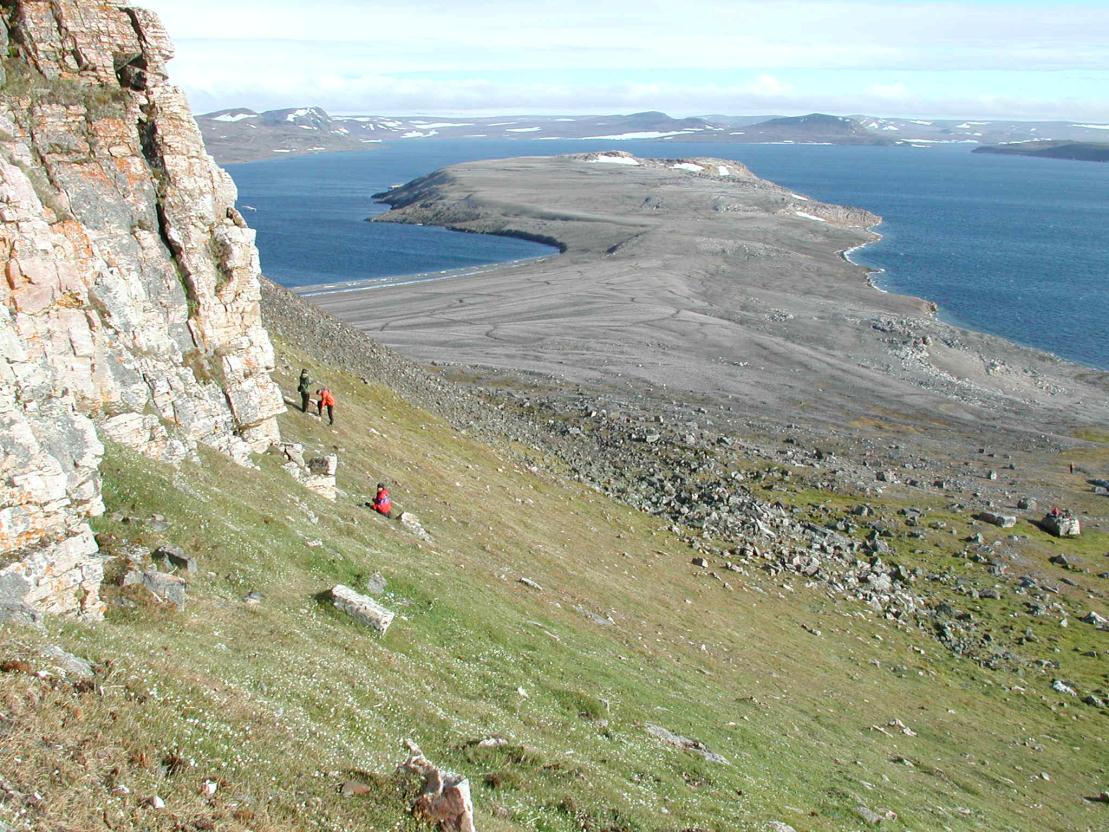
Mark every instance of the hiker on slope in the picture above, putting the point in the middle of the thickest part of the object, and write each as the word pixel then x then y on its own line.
pixel 328 401
pixel 383 503
pixel 305 390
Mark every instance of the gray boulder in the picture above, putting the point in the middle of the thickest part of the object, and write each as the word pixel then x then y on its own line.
pixel 1004 521
pixel 361 608
pixel 1061 525
pixel 175 557
pixel 167 588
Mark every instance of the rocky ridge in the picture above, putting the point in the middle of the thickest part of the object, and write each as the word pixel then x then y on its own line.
pixel 131 298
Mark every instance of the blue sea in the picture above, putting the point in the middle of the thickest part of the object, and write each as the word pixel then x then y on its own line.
pixel 1014 246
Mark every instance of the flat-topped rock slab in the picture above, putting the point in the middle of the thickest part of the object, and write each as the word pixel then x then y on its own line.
pixel 361 608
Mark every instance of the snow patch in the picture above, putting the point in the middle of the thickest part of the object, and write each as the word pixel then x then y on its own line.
pixel 236 117
pixel 798 196
pixel 1092 126
pixel 688 166
pixel 616 160
pixel 523 129
pixel 809 216
pixel 644 135
pixel 723 170
pixel 942 141
pixel 419 134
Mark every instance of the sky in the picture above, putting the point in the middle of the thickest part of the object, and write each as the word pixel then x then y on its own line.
pixel 1030 59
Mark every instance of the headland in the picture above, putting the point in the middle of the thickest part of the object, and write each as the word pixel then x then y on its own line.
pixel 694 280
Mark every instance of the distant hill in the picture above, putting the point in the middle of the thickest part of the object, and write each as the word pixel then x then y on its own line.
pixel 814 127
pixel 654 120
pixel 820 123
pixel 1076 151
pixel 240 134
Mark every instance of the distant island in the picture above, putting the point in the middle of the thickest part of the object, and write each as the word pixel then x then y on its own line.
pixel 243 135
pixel 1076 151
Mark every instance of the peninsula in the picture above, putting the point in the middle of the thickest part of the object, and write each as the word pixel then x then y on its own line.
pixel 695 279
pixel 1075 151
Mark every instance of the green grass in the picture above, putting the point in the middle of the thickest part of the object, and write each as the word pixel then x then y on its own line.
pixel 100 101
pixel 282 702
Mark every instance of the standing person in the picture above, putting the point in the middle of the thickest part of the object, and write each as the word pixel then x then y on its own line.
pixel 305 389
pixel 328 401
pixel 383 503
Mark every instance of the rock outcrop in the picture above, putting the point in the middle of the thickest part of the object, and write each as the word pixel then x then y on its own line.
pixel 1062 524
pixel 317 474
pixel 362 609
pixel 131 292
pixel 444 798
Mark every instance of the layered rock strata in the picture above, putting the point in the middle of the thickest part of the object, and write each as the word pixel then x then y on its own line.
pixel 131 291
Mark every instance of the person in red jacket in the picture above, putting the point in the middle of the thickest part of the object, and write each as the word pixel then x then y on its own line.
pixel 382 503
pixel 328 401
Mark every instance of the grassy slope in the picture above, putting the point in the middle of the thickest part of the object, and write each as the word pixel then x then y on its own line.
pixel 282 702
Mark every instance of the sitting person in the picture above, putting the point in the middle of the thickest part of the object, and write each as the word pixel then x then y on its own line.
pixel 382 503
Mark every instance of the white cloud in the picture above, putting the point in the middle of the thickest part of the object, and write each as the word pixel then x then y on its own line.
pixel 405 56
pixel 767 85
pixel 895 91
pixel 483 34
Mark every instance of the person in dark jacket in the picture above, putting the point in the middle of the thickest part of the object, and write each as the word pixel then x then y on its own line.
pixel 383 503
pixel 305 390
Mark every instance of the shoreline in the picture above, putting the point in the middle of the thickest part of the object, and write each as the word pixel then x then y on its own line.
pixel 870 273
pixel 369 283
pixel 935 310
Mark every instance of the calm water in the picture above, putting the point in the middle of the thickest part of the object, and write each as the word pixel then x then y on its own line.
pixel 1014 246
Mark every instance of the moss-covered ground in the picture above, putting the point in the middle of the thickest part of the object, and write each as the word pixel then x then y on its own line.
pixel 279 703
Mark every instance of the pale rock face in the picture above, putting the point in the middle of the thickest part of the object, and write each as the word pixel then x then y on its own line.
pixel 1064 525
pixel 445 797
pixel 362 609
pixel 317 474
pixel 130 296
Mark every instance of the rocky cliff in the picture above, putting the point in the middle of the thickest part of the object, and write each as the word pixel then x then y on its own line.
pixel 130 304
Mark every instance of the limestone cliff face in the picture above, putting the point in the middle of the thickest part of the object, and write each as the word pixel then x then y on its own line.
pixel 130 299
